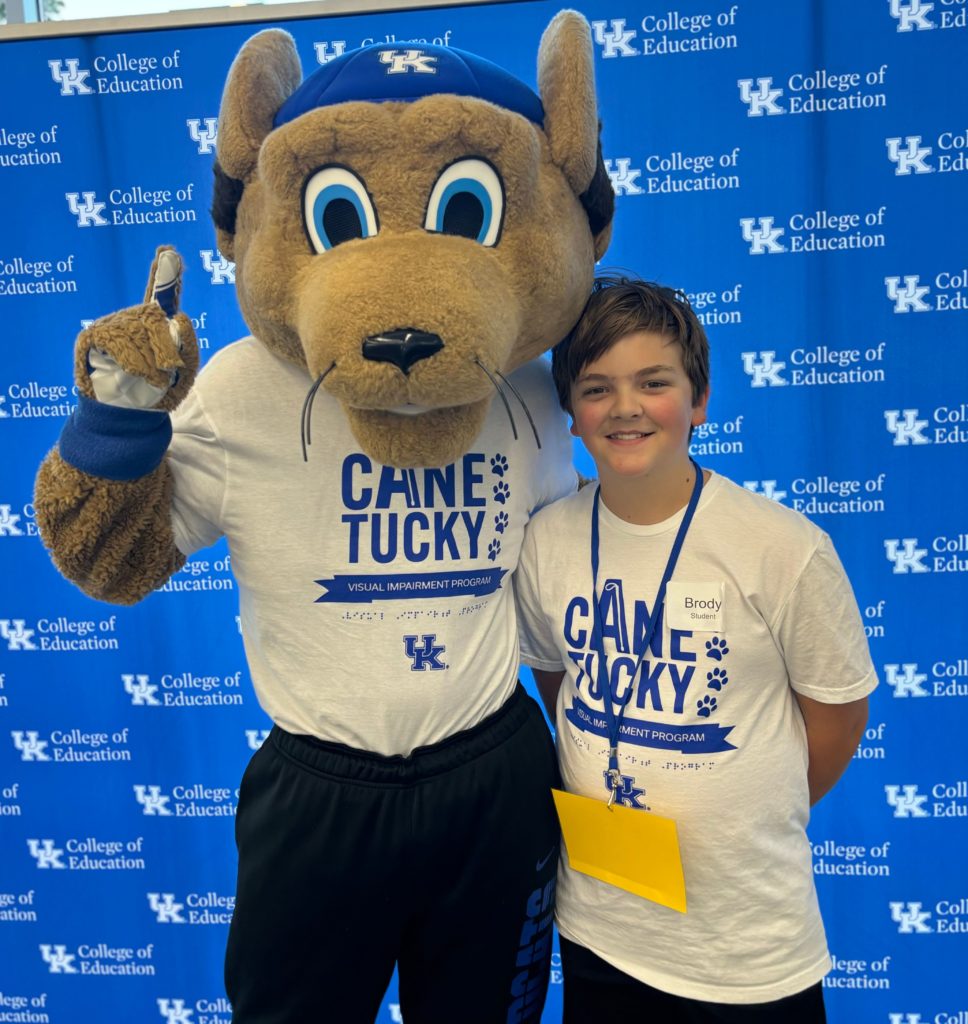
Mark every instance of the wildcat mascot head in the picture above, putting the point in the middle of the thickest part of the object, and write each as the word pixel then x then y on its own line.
pixel 412 223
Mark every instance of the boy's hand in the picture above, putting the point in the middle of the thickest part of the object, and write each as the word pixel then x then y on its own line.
pixel 143 357
pixel 833 732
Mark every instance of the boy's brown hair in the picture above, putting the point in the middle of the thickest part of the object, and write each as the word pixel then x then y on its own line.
pixel 619 306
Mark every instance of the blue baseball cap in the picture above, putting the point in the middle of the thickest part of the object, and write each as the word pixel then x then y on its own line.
pixel 385 72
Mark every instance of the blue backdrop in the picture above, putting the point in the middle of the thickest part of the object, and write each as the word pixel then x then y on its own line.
pixel 798 168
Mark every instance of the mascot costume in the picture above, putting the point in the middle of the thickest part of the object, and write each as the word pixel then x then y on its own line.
pixel 411 227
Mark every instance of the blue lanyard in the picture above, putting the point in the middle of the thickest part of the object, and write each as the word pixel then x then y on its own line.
pixel 613 721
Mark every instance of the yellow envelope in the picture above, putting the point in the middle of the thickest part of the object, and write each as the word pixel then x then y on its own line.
pixel 632 849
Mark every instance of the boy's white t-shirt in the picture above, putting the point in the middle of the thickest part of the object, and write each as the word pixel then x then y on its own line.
pixel 376 603
pixel 722 745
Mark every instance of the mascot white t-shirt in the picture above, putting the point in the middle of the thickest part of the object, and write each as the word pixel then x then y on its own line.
pixel 376 603
pixel 716 740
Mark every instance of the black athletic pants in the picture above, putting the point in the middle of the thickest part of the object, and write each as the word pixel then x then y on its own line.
pixel 598 993
pixel 443 862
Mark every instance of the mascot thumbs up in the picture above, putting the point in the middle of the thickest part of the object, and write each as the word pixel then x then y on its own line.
pixel 412 227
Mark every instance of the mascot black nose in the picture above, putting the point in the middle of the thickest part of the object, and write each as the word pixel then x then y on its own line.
pixel 402 347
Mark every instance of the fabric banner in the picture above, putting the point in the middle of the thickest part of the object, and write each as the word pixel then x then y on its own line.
pixel 799 169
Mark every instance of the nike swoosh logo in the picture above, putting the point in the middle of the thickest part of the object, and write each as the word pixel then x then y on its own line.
pixel 544 860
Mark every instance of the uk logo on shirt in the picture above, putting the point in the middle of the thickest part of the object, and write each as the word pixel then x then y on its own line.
pixel 426 656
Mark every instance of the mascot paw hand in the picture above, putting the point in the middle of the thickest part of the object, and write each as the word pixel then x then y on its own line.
pixel 144 357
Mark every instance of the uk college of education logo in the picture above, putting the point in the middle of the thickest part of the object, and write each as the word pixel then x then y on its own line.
pixel 152 800
pixel 195 800
pixel 133 205
pixel 913 297
pixel 18 637
pixel 205 138
pixel 910 918
pixel 764 369
pixel 614 38
pixel 816 231
pixel 674 173
pixel 911 15
pixel 88 212
pixel 948 554
pixel 814 92
pixel 219 269
pixel 905 680
pixel 906 801
pixel 58 960
pixel 910 297
pixel 912 159
pixel 906 555
pixel 70 77
pixel 762 101
pixel 908 427
pixel 8 522
pixel 909 430
pixel 211 1011
pixel 672 32
pixel 323 53
pixel 623 177
pixel 761 235
pixel 203 909
pixel 46 853
pixel 165 909
pixel 174 1011
pixel 31 747
pixel 140 689
pixel 121 73
pixel 949 678
pixel 182 690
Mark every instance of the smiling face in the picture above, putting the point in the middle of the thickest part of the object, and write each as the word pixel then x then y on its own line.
pixel 633 409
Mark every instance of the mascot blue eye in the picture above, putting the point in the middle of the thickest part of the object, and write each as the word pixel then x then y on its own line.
pixel 337 208
pixel 467 200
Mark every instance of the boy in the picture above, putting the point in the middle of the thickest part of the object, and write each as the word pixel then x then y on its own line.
pixel 769 681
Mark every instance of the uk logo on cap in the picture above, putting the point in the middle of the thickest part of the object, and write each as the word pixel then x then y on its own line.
pixel 379 73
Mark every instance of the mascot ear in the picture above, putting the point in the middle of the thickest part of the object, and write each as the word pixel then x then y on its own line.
pixel 566 81
pixel 263 75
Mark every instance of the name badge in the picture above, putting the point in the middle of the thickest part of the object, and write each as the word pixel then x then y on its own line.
pixel 634 850
pixel 696 606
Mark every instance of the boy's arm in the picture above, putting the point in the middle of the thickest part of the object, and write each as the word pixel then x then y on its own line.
pixel 538 647
pixel 821 636
pixel 549 683
pixel 833 732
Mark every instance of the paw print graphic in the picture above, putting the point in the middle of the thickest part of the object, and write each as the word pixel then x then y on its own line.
pixel 501 492
pixel 716 649
pixel 706 706
pixel 493 549
pixel 499 465
pixel 717 679
pixel 501 522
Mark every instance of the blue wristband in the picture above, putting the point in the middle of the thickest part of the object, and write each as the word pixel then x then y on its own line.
pixel 114 443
